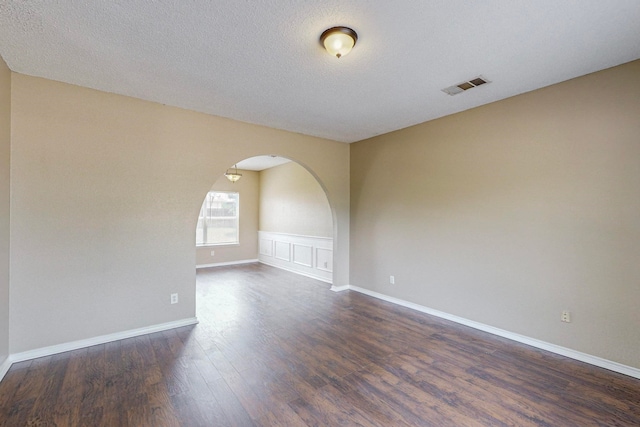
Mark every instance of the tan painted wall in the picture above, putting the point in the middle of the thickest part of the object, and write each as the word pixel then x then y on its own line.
pixel 5 153
pixel 249 188
pixel 292 201
pixel 105 195
pixel 509 213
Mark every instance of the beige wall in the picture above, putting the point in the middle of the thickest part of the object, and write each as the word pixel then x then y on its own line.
pixel 248 188
pixel 509 213
pixel 105 195
pixel 5 149
pixel 292 201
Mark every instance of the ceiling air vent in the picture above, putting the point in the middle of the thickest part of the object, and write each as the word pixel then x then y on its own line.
pixel 461 87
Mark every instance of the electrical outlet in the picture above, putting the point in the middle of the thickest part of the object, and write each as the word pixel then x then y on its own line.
pixel 566 316
pixel 213 253
pixel 174 298
pixel 392 280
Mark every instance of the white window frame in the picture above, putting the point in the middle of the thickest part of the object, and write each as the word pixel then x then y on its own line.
pixel 204 221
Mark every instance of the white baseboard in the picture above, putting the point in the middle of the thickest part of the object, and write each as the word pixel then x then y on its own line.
pixel 322 279
pixel 222 264
pixel 543 345
pixel 340 288
pixel 74 345
pixel 4 367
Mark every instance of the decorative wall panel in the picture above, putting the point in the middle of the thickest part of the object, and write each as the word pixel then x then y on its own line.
pixel 324 259
pixel 266 247
pixel 303 255
pixel 283 250
pixel 307 255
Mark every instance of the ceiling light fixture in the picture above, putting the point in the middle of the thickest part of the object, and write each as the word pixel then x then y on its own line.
pixel 338 41
pixel 233 176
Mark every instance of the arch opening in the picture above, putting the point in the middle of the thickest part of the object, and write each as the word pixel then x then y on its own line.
pixel 286 219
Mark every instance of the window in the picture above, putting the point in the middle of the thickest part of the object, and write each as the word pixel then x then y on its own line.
pixel 218 220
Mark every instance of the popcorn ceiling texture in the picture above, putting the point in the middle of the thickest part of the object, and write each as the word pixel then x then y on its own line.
pixel 261 62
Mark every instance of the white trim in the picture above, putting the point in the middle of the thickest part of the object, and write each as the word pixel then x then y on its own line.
pixel 4 367
pixel 322 279
pixel 340 288
pixel 305 236
pixel 222 264
pixel 553 348
pixel 74 345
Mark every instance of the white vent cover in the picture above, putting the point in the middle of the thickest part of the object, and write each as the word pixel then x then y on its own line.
pixel 461 87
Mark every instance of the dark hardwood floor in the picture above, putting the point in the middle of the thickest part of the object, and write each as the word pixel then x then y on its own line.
pixel 273 348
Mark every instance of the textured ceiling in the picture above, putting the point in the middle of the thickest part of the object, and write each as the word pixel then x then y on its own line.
pixel 261 62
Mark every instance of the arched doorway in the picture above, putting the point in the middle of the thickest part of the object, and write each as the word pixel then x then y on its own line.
pixel 284 219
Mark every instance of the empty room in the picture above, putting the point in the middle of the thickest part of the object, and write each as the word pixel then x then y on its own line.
pixel 319 213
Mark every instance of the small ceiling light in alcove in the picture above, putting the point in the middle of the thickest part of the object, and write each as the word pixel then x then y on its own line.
pixel 234 175
pixel 339 41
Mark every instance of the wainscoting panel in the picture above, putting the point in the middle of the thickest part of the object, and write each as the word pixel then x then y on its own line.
pixel 283 251
pixel 307 255
pixel 266 247
pixel 324 259
pixel 303 255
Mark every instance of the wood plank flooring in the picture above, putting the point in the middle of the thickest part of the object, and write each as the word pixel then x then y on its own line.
pixel 276 349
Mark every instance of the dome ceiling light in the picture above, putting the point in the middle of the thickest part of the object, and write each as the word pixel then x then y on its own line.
pixel 338 41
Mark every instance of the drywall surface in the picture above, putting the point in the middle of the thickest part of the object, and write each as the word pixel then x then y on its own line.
pixel 510 213
pixel 292 201
pixel 5 155
pixel 248 188
pixel 106 191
